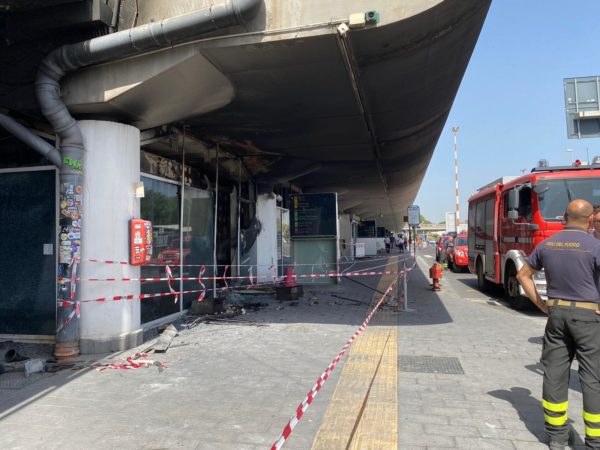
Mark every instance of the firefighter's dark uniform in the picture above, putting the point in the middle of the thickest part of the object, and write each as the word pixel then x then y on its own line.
pixel 571 260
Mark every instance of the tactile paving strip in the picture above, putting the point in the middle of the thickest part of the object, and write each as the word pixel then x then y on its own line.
pixel 430 364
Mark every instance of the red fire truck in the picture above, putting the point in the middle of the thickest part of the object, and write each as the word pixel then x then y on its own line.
pixel 511 215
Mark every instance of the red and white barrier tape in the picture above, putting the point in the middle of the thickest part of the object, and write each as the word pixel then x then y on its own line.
pixel 250 275
pixel 287 430
pixel 125 263
pixel 224 278
pixel 75 312
pixel 107 261
pixel 130 363
pixel 203 291
pixel 116 298
pixel 173 291
pixel 74 262
pixel 252 278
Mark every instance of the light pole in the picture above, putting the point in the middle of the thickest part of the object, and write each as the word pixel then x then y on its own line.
pixel 570 151
pixel 457 218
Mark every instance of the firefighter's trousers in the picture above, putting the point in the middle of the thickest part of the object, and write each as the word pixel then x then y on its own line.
pixel 571 332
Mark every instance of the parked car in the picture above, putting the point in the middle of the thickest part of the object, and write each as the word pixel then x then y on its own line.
pixel 458 254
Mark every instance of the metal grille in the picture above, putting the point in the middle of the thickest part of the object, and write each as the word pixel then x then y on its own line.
pixel 430 364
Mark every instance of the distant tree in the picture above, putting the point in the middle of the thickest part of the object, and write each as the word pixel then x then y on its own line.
pixel 424 220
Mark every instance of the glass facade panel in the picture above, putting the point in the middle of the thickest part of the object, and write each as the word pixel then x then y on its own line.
pixel 160 205
pixel 198 225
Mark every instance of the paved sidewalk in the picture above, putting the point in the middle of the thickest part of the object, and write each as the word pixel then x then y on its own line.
pixel 230 387
pixel 496 402
pixel 235 387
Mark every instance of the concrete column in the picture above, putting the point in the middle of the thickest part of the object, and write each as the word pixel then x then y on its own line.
pixel 112 165
pixel 266 242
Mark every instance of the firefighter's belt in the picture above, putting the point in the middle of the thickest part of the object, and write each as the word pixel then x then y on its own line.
pixel 570 303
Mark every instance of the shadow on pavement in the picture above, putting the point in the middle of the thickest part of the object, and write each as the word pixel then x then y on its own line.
pixel 426 305
pixel 496 293
pixel 573 375
pixel 528 408
pixel 13 399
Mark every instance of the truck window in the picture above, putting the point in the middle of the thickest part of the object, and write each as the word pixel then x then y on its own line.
pixel 554 201
pixel 480 217
pixel 525 210
pixel 489 218
pixel 472 207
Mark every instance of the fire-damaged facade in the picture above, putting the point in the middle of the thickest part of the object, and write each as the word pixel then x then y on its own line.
pixel 210 120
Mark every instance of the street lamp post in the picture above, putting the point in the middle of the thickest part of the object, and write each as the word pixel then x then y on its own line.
pixel 457 218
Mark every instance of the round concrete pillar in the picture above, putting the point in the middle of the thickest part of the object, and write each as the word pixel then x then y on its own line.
pixel 111 167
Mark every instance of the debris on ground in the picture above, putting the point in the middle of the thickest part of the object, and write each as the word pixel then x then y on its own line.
pixel 25 358
pixel 236 302
pixel 358 302
pixel 165 339
pixel 34 366
pixel 222 319
pixel 235 322
pixel 256 289
pixel 130 363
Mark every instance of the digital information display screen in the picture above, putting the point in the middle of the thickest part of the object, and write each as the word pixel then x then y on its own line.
pixel 313 215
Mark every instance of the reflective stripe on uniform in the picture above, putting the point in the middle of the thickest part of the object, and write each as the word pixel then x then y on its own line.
pixel 593 418
pixel 556 421
pixel 555 407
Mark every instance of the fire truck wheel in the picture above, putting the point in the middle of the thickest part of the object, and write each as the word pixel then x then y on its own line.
pixel 511 289
pixel 482 283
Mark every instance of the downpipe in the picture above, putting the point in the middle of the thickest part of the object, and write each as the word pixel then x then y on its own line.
pixel 122 44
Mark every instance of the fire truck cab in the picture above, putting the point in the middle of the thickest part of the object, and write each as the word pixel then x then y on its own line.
pixel 510 216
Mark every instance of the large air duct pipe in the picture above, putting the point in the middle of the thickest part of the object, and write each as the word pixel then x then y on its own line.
pixel 134 41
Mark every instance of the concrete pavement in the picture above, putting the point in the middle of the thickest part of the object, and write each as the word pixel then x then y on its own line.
pixel 496 403
pixel 467 378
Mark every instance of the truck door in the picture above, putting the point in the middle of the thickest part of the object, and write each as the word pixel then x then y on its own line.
pixel 490 251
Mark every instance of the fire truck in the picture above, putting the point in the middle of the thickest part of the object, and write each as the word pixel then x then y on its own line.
pixel 511 215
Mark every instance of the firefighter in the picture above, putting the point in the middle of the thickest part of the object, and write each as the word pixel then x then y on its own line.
pixel 571 259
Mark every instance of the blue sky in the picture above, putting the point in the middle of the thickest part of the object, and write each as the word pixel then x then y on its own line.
pixel 510 106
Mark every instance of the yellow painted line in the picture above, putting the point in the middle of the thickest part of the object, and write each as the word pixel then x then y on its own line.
pixel 363 411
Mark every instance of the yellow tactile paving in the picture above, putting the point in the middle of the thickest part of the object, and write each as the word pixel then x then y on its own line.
pixel 363 411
